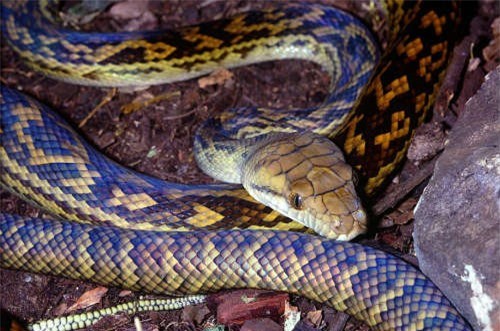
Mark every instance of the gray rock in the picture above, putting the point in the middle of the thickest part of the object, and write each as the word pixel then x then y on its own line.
pixel 457 220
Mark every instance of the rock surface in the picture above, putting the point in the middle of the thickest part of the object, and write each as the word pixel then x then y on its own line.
pixel 457 220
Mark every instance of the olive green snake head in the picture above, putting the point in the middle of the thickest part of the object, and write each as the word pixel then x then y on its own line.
pixel 304 176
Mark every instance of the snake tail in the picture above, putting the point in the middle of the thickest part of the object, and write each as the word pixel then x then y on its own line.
pixel 89 318
pixel 375 287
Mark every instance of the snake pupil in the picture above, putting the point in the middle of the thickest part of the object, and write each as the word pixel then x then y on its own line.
pixel 296 201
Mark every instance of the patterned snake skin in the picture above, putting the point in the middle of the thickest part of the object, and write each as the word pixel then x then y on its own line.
pixel 375 287
pixel 144 252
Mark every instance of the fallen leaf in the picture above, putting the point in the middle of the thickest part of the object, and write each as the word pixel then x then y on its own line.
pixel 292 317
pixel 491 53
pixel 403 218
pixel 401 215
pixel 124 293
pixel 195 314
pixel 147 21
pixel 128 9
pixel 315 317
pixel 215 78
pixel 60 309
pixel 88 299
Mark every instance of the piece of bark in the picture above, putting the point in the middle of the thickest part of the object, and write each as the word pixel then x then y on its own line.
pixel 235 307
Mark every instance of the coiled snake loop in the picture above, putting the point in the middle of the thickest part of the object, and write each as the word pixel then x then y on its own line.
pixel 283 159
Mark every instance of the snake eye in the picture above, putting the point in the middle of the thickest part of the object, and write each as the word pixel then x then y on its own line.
pixel 296 201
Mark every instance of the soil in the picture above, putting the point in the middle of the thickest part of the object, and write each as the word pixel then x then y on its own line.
pixel 157 139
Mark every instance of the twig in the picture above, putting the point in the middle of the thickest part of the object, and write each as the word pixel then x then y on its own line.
pixel 401 191
pixel 135 105
pixel 109 96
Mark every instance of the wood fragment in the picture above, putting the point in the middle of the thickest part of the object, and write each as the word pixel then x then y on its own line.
pixel 335 320
pixel 235 307
pixel 401 191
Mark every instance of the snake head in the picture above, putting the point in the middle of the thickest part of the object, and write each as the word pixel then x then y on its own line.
pixel 304 176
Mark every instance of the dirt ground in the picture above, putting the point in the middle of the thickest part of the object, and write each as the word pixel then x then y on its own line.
pixel 157 139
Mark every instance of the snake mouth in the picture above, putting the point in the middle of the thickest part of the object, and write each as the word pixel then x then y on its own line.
pixel 343 227
pixel 359 224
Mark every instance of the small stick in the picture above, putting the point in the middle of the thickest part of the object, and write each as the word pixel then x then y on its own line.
pixel 109 96
pixel 401 191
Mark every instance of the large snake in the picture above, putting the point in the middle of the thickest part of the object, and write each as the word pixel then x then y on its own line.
pixel 284 160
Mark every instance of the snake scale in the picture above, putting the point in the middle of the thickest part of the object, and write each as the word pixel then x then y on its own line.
pixel 138 232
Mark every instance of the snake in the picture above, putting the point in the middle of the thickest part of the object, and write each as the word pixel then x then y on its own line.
pixel 115 226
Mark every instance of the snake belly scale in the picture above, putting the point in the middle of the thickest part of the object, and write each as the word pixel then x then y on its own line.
pixel 146 246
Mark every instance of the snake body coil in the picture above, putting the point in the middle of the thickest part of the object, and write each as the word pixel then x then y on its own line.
pixel 377 288
pixel 44 161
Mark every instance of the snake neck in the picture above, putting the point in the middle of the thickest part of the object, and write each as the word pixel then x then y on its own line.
pixel 225 158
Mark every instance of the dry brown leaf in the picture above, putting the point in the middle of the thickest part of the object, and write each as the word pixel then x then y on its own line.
pixel 124 293
pixel 315 317
pixel 492 51
pixel 128 9
pixel 195 314
pixel 408 205
pixel 217 77
pixel 402 215
pixel 403 218
pixel 60 309
pixel 88 299
pixel 136 13
pixel 146 21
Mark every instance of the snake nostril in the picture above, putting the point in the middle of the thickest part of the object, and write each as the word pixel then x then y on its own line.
pixel 359 216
